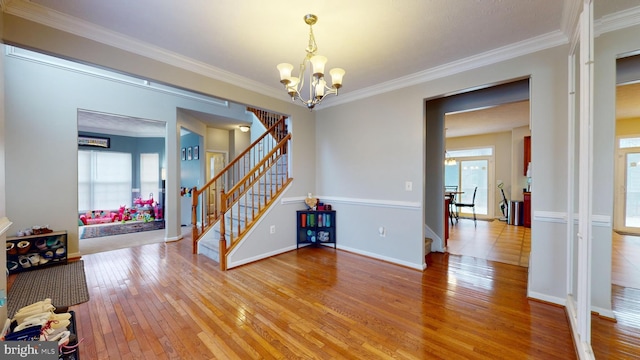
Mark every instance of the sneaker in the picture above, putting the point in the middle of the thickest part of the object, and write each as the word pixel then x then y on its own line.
pixel 34 259
pixel 24 261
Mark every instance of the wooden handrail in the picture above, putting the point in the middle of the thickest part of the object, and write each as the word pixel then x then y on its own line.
pixel 245 174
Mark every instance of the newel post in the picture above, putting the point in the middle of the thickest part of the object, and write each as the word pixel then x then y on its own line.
pixel 222 248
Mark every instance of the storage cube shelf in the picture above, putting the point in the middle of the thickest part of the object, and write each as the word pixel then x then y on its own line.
pixel 36 251
pixel 316 227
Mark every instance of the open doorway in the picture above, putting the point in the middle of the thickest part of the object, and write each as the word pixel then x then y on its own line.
pixel 626 219
pixel 485 134
pixel 119 178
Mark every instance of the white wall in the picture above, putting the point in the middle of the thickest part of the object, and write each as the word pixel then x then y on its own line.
pixel 367 149
pixel 3 258
pixel 608 47
pixel 41 141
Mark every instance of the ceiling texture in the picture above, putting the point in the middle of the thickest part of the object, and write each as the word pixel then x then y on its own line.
pixel 382 44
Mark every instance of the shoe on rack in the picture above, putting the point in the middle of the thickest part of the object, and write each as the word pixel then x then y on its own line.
pixel 12 265
pixel 41 243
pixel 24 261
pixel 24 246
pixel 11 248
pixel 60 252
pixel 34 259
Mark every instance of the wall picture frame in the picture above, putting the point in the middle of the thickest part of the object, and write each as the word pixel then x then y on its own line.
pixel 94 141
pixel 189 153
pixel 183 154
pixel 196 152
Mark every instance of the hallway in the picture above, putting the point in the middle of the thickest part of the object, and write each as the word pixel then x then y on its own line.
pixel 491 240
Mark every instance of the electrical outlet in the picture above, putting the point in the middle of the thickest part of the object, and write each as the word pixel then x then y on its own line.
pixel 408 186
pixel 272 229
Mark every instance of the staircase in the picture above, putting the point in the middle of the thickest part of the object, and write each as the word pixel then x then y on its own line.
pixel 225 208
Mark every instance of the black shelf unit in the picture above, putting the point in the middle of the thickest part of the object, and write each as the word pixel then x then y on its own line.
pixel 316 227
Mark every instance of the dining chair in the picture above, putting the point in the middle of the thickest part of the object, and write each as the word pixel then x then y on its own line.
pixel 471 205
pixel 451 190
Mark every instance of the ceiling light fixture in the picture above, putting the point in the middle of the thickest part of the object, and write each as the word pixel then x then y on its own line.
pixel 313 67
pixel 244 128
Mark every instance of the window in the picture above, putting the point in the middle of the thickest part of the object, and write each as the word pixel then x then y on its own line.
pixel 149 175
pixel 473 168
pixel 104 180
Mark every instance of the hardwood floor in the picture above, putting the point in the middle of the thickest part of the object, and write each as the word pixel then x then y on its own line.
pixel 625 265
pixel 160 301
pixel 491 240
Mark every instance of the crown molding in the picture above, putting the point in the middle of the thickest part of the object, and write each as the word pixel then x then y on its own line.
pixel 617 21
pixel 75 26
pixel 508 52
pixel 56 20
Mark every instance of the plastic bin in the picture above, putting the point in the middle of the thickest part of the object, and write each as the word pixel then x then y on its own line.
pixel 516 213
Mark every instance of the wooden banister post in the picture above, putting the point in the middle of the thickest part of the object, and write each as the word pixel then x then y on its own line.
pixel 222 247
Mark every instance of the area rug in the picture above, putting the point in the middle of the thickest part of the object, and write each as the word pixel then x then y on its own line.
pixel 65 285
pixel 93 231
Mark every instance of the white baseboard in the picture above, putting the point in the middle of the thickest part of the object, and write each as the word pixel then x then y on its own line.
pixel 419 267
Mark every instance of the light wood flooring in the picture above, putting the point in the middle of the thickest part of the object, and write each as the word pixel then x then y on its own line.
pixel 491 240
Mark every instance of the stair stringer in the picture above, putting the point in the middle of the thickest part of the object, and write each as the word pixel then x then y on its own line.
pixel 233 260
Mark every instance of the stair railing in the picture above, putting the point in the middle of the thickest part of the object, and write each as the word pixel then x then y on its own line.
pixel 211 202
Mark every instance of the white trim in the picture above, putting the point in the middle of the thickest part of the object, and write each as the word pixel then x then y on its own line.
pixel 504 53
pixel 584 350
pixel 547 298
pixel 60 21
pixel 244 261
pixel 415 266
pixel 27 55
pixel 617 21
pixel 409 205
pixel 550 216
pixel 63 22
pixel 608 313
pixel 428 233
pixel 5 223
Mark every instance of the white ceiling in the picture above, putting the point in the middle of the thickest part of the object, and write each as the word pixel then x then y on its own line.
pixel 382 44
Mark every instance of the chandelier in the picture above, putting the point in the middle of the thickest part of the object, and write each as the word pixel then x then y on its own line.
pixel 312 66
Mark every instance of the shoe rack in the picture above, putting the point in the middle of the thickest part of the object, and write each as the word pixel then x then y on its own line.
pixel 36 251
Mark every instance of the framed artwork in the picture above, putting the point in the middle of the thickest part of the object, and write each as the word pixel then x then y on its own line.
pixel 196 152
pixel 94 141
pixel 184 154
pixel 189 152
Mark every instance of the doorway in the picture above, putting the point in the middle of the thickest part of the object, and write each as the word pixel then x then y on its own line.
pixel 216 162
pixel 627 178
